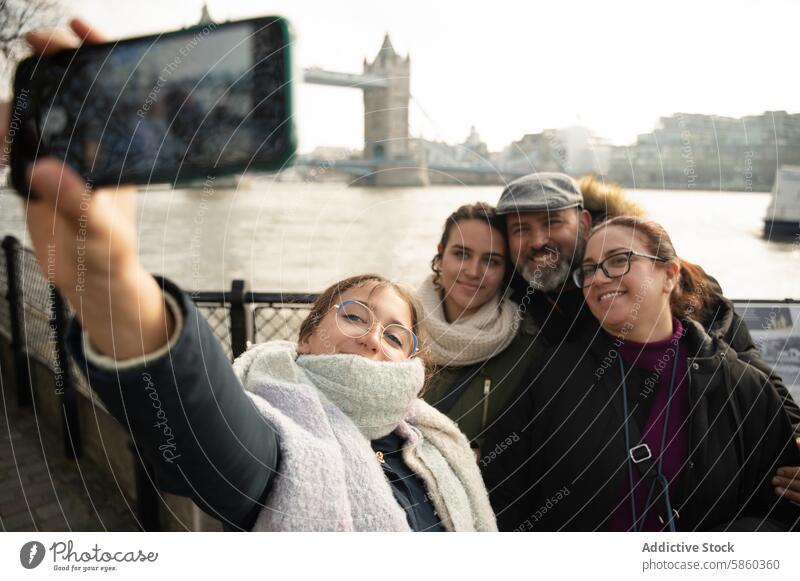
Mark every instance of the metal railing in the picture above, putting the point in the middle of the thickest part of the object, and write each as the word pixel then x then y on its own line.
pixel 30 309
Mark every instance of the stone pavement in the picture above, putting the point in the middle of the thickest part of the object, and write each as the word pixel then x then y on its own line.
pixel 41 490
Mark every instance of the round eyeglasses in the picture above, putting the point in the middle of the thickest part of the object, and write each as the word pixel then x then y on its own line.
pixel 355 319
pixel 613 266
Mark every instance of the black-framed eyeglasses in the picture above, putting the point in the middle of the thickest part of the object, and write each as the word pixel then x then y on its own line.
pixel 355 319
pixel 613 266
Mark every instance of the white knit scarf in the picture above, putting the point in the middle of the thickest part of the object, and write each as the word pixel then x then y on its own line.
pixel 375 395
pixel 326 409
pixel 471 339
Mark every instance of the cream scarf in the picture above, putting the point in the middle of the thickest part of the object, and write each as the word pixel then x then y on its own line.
pixel 326 409
pixel 469 340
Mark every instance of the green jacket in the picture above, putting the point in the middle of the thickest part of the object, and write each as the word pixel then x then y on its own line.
pixel 490 391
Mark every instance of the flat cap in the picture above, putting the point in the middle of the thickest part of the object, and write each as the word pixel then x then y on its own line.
pixel 540 192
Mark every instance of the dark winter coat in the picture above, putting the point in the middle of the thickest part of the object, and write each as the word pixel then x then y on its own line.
pixel 490 385
pixel 560 457
pixel 564 316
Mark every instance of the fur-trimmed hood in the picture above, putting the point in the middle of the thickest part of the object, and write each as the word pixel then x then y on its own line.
pixel 606 200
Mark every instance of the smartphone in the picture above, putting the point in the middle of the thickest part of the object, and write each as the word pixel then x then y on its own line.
pixel 211 100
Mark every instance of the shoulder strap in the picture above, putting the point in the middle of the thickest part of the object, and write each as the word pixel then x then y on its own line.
pixel 638 452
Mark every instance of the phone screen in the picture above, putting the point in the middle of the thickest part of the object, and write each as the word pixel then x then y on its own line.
pixel 202 101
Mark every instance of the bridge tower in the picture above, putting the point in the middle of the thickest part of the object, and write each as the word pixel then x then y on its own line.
pixel 386 133
pixel 386 108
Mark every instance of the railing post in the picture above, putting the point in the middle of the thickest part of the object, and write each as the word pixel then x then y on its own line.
pixel 65 386
pixel 241 321
pixel 16 309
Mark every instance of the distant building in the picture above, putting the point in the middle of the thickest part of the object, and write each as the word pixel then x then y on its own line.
pixel 334 153
pixel 205 16
pixel 585 153
pixel 475 146
pixel 472 152
pixel 689 151
pixel 575 151
pixel 534 152
pixel 387 142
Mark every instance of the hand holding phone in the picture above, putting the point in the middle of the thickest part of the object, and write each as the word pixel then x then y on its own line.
pixel 86 245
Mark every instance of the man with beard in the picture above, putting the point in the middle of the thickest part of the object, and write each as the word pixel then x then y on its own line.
pixel 547 228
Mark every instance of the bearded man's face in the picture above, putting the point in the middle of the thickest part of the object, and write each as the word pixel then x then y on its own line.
pixel 546 246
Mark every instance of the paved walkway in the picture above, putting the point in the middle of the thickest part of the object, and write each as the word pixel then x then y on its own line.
pixel 41 490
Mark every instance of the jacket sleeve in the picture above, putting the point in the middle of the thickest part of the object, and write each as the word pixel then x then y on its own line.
pixel 189 416
pixel 739 338
pixel 767 428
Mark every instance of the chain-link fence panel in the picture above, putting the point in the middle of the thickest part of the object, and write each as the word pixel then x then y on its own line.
pixel 218 318
pixel 38 326
pixel 271 320
pixel 77 373
pixel 278 321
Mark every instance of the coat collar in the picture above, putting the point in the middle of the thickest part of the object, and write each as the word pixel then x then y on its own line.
pixel 700 344
pixel 705 355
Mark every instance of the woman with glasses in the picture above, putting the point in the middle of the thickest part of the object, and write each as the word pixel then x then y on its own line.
pixel 326 434
pixel 647 423
pixel 477 344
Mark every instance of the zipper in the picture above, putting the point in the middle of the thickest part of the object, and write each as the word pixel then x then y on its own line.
pixel 487 386
pixel 691 365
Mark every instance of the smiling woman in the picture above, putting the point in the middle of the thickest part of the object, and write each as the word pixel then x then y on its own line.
pixel 477 341
pixel 627 288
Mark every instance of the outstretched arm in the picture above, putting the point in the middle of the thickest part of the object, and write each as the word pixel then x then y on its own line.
pixel 189 415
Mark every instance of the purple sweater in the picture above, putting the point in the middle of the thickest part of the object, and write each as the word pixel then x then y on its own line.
pixel 657 356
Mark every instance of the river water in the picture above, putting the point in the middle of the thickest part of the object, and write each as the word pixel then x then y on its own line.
pixel 300 237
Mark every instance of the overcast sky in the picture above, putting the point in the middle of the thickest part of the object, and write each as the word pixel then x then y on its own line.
pixel 511 68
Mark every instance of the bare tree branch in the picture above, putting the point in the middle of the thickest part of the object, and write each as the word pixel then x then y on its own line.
pixel 17 17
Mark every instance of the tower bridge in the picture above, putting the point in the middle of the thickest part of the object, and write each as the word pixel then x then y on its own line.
pixel 390 158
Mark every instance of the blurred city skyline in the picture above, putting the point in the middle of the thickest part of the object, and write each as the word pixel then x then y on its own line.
pixel 517 69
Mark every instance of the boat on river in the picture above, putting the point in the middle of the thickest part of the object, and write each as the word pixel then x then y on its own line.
pixel 783 214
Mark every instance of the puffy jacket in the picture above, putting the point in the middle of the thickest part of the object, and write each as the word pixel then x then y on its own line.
pixel 559 457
